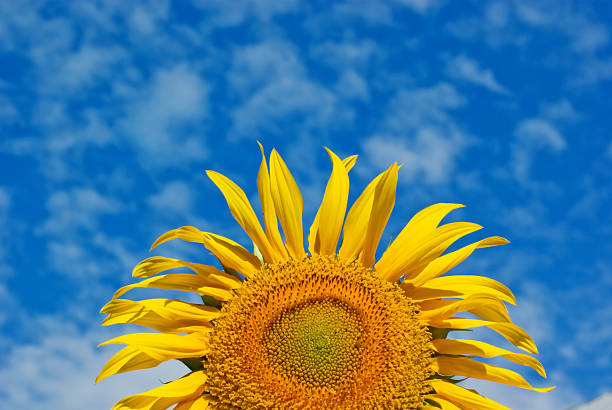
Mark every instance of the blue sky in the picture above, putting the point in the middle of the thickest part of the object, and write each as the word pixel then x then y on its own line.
pixel 110 112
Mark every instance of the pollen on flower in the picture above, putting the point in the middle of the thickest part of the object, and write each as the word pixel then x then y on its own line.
pixel 316 343
pixel 318 333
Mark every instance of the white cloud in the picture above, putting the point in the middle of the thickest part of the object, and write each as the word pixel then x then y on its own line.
pixel 241 10
pixel 352 85
pixel 276 90
pixel 71 71
pixel 419 132
pixel 78 208
pixel 464 68
pixel 5 202
pixel 496 26
pixel 346 54
pixel 175 197
pixel 562 110
pixel 536 310
pixel 147 19
pixel 373 12
pixel 531 135
pixel 65 141
pixel 602 402
pixel 584 34
pixel 539 133
pixel 430 155
pixel 351 60
pixel 173 103
pixel 521 22
pixel 57 370
pixel 8 111
pixel 413 108
pixel 593 70
pixel 588 37
pixel 420 6
pixel 7 299
pixel 5 268
pixel 75 243
pixel 497 13
pixel 256 65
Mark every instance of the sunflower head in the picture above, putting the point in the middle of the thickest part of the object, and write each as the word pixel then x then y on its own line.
pixel 331 328
pixel 318 333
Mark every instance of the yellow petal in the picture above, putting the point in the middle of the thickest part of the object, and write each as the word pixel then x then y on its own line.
pixel 209 286
pixel 484 306
pixel 448 261
pixel 231 254
pixel 156 264
pixel 325 231
pixel 357 222
pixel 267 206
pixel 170 308
pixel 384 200
pixel 482 349
pixel 349 162
pixel 146 350
pixel 166 395
pixel 162 346
pixel 288 204
pixel 164 315
pixel 444 404
pixel 458 286
pixel 513 333
pixel 186 233
pixel 415 256
pixel 463 366
pixel 127 359
pixel 241 209
pixel 199 403
pixel 313 235
pixel 464 397
pixel 420 226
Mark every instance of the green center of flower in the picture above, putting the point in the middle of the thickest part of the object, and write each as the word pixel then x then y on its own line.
pixel 316 342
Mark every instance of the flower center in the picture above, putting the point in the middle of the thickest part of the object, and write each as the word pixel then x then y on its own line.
pixel 318 333
pixel 316 343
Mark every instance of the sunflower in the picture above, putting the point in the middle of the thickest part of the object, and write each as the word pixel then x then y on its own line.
pixel 333 327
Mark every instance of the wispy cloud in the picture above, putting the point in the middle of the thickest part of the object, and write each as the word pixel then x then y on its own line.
pixel 466 69
pixel 419 131
pixel 79 208
pixel 537 132
pixel 174 197
pixel 57 371
pixel 521 23
pixel 531 135
pixel 429 156
pixel 5 205
pixel 562 110
pixel 276 88
pixel 265 10
pixel 175 99
pixel 413 108
pixel 420 6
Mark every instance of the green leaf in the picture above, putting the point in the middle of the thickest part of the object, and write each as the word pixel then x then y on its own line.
pixel 442 333
pixel 210 301
pixel 257 253
pixel 193 363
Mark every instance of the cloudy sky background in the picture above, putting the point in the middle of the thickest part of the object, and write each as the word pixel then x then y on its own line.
pixel 110 113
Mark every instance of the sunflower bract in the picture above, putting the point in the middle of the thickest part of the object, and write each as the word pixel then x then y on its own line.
pixel 331 328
